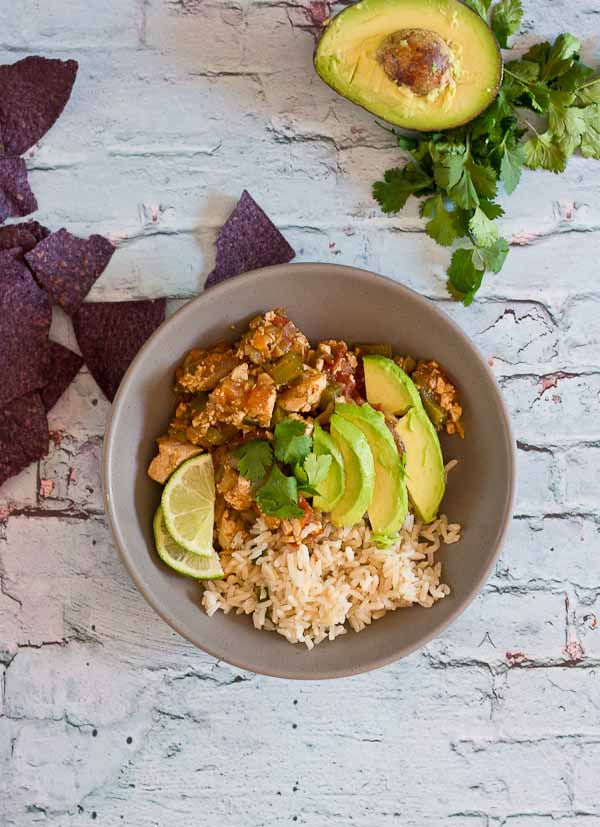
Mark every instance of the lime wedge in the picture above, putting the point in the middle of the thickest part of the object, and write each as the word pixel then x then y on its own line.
pixel 182 561
pixel 188 504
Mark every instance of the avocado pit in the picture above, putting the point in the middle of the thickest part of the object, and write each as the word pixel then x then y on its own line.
pixel 419 59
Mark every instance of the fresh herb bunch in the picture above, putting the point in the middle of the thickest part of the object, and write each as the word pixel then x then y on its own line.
pixel 459 171
pixel 278 493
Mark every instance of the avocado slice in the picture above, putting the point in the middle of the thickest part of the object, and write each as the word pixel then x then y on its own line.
pixel 426 477
pixel 389 505
pixel 388 386
pixel 332 487
pixel 393 391
pixel 421 64
pixel 360 472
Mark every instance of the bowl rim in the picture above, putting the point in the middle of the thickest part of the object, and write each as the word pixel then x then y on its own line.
pixel 127 559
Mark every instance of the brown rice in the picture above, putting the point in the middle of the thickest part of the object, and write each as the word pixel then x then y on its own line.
pixel 310 587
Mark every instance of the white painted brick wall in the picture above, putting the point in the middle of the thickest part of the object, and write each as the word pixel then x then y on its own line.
pixel 107 715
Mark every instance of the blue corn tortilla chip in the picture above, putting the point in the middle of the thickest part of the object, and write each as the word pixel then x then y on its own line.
pixel 24 434
pixel 16 197
pixel 33 93
pixel 67 266
pixel 14 238
pixel 25 317
pixel 63 367
pixel 22 238
pixel 248 240
pixel 110 334
pixel 37 230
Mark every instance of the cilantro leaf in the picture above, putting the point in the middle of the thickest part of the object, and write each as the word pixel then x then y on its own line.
pixel 480 6
pixel 491 209
pixel 292 444
pixel 398 185
pixel 464 279
pixel 405 142
pixel 491 258
pixel 524 70
pixel 484 232
pixel 567 123
pixel 442 226
pixel 561 56
pixel 463 192
pixel 300 474
pixel 254 458
pixel 576 79
pixel 448 169
pixel 538 53
pixel 590 140
pixel 589 92
pixel 278 496
pixel 506 20
pixel 542 152
pixel 511 165
pixel 484 179
pixel 317 467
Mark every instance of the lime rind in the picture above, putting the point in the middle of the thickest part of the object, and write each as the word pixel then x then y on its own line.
pixel 177 558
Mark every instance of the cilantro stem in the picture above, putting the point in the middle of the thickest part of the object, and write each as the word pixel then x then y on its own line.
pixel 589 83
pixel 516 77
pixel 533 129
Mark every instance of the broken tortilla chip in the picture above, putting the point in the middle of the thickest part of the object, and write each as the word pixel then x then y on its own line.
pixel 248 240
pixel 24 434
pixel 33 93
pixel 67 266
pixel 25 317
pixel 110 334
pixel 63 367
pixel 16 197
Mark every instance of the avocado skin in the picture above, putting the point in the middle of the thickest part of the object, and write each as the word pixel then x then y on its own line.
pixel 455 125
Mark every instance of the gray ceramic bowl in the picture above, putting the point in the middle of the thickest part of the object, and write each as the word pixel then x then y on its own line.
pixel 326 301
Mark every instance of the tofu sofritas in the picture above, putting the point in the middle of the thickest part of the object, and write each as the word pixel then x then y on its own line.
pixel 256 404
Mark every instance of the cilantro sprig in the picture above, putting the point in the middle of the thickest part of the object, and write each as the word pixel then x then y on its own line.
pixel 254 458
pixel 278 497
pixel 292 444
pixel 458 173
pixel 278 494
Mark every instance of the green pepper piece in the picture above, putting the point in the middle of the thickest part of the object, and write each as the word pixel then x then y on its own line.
pixel 199 401
pixel 286 369
pixel 215 436
pixel 409 364
pixel 329 395
pixel 250 421
pixel 373 348
pixel 324 417
pixel 278 415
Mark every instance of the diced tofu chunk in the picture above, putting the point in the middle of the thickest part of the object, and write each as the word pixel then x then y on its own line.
pixel 340 364
pixel 228 524
pixel 237 490
pixel 270 336
pixel 305 392
pixel 242 399
pixel 202 370
pixel 171 453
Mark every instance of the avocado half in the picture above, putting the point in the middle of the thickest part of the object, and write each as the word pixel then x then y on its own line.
pixel 426 65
